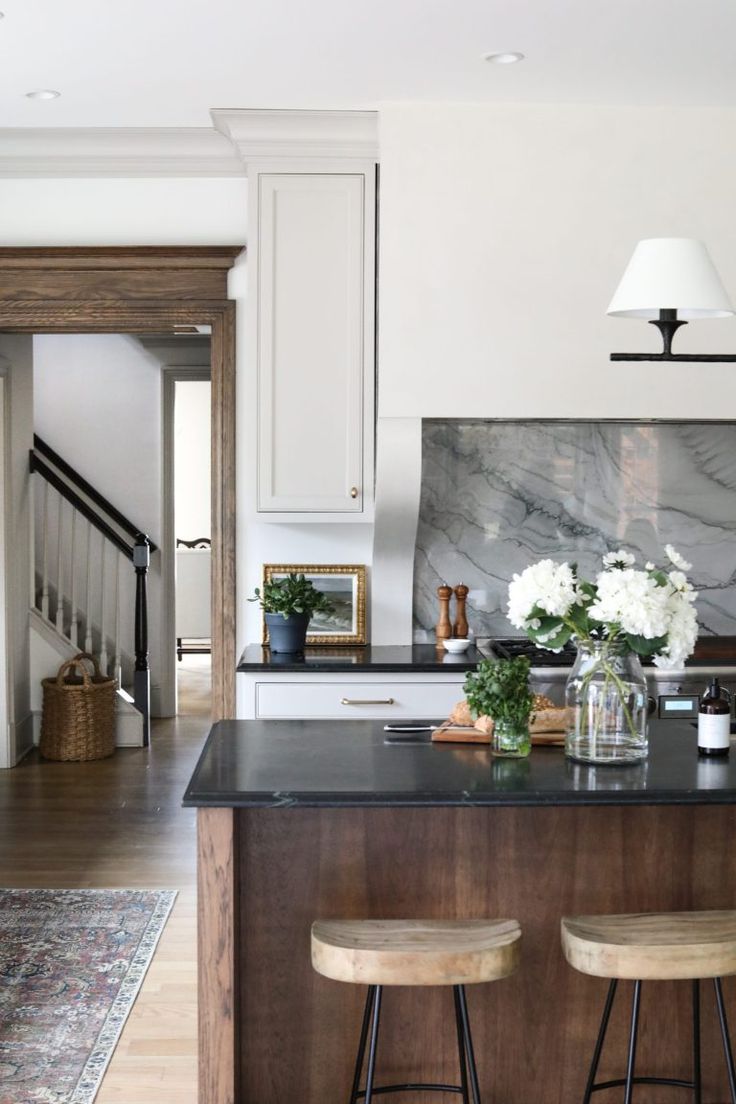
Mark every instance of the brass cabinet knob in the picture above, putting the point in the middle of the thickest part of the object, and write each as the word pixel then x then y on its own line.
pixel 353 492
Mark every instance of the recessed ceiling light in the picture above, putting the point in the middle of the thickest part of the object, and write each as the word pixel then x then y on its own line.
pixel 43 94
pixel 503 59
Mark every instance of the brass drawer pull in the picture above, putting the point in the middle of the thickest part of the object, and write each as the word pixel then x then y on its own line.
pixel 366 701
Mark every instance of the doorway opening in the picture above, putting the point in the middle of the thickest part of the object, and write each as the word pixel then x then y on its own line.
pixel 187 397
pixel 130 291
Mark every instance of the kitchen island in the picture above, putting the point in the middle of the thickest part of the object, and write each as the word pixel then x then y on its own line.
pixel 306 819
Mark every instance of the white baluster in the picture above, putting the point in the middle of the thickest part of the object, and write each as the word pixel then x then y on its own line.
pixel 74 627
pixel 116 664
pixel 59 560
pixel 103 628
pixel 88 602
pixel 45 554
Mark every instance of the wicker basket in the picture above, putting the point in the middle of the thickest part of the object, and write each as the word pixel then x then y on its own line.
pixel 78 721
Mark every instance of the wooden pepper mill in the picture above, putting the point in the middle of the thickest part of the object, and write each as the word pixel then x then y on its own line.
pixel 460 628
pixel 443 630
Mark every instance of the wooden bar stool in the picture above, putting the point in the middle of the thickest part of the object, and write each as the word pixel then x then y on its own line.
pixel 415 952
pixel 654 947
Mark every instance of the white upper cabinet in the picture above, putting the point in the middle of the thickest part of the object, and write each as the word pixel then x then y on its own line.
pixel 315 347
pixel 306 382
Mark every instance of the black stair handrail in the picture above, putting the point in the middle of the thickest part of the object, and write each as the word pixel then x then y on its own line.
pixel 40 446
pixel 38 465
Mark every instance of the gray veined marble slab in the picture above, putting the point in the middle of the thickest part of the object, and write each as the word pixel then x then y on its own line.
pixel 497 496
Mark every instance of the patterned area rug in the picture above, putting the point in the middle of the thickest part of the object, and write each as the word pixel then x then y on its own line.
pixel 71 964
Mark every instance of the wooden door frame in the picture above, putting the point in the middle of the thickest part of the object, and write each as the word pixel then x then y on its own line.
pixel 138 290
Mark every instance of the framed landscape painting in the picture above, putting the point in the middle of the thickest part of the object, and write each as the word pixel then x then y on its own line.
pixel 344 586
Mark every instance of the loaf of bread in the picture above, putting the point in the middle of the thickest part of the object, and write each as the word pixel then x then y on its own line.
pixel 547 717
pixel 548 720
pixel 461 715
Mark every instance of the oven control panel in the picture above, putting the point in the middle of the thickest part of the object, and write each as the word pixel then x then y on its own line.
pixel 676 706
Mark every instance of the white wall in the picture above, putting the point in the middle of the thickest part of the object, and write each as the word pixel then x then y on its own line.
pixel 123 212
pixel 504 232
pixel 97 402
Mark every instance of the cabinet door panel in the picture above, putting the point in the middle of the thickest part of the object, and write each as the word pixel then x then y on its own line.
pixel 311 342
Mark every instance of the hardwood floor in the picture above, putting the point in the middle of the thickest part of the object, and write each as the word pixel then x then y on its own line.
pixel 119 822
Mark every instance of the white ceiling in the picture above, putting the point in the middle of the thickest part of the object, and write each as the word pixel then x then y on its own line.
pixel 165 63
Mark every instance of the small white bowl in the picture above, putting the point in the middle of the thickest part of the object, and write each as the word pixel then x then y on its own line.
pixel 455 646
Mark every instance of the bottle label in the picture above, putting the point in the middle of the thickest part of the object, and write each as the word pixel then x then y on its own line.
pixel 714 730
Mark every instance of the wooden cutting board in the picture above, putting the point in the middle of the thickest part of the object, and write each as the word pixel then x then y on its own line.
pixel 460 734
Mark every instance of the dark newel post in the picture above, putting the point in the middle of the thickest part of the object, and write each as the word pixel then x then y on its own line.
pixel 142 675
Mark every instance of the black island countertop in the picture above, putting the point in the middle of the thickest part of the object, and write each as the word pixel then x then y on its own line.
pixel 310 764
pixel 380 659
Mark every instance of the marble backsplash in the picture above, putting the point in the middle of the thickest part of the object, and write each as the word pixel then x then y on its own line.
pixel 498 495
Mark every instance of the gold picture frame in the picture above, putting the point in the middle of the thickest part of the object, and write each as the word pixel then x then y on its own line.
pixel 347 624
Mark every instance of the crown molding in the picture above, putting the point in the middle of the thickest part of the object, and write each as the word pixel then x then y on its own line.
pixel 116 151
pixel 276 135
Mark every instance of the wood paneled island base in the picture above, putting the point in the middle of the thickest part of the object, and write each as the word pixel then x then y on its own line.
pixel 274 1032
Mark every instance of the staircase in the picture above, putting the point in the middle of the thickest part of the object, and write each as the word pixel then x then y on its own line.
pixel 89 587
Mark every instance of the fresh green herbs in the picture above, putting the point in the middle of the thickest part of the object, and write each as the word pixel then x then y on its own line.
pixel 500 689
pixel 291 594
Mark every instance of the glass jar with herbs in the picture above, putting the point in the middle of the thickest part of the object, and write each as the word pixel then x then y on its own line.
pixel 499 689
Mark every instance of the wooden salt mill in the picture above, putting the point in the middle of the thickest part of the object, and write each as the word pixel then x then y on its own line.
pixel 460 628
pixel 443 630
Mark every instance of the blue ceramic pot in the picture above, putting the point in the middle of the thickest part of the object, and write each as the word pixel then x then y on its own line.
pixel 287 634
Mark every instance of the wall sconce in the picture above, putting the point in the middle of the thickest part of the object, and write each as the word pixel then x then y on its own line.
pixel 680 273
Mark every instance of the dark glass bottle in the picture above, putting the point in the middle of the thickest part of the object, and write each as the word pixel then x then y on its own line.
pixel 714 721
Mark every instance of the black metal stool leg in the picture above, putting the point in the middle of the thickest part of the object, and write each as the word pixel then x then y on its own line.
pixel 632 1043
pixel 461 1047
pixel 600 1041
pixel 469 1044
pixel 726 1039
pixel 697 1083
pixel 373 1045
pixel 361 1045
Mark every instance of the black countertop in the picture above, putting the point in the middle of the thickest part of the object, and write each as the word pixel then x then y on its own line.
pixel 396 659
pixel 288 764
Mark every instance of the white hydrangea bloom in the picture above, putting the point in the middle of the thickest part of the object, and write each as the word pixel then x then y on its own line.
pixel 680 583
pixel 676 559
pixel 622 558
pixel 546 584
pixel 682 631
pixel 632 600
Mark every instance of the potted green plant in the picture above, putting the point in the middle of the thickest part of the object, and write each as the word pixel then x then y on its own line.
pixel 500 689
pixel 288 604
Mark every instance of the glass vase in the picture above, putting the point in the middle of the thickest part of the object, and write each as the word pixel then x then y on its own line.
pixel 512 741
pixel 606 700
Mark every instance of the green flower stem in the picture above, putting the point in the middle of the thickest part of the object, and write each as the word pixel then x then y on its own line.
pixel 611 676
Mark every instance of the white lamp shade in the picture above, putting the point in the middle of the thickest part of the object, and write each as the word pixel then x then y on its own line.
pixel 670 273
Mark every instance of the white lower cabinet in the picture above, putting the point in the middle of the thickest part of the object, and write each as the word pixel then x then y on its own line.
pixel 345 697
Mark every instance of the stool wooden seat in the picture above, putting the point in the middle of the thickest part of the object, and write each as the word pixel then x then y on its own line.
pixel 657 946
pixel 415 952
